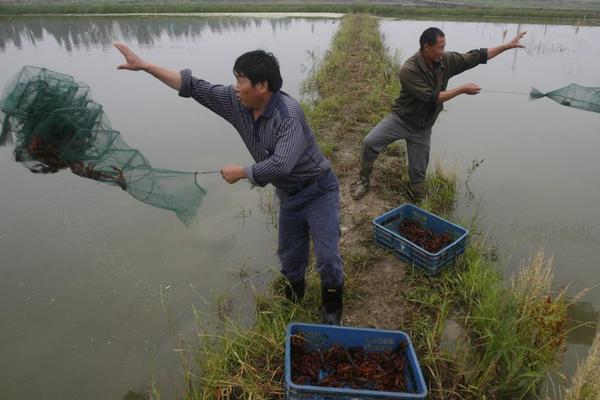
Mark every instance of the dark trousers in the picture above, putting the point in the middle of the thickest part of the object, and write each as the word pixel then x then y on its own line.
pixel 314 212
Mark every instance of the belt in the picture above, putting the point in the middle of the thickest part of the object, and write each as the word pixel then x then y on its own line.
pixel 306 184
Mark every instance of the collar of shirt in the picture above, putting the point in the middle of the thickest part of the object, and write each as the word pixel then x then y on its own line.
pixel 423 64
pixel 273 101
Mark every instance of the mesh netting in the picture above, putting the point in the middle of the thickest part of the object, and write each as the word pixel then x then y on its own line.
pixel 573 95
pixel 57 126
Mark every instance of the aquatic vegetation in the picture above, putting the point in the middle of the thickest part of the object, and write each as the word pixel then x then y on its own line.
pixel 586 381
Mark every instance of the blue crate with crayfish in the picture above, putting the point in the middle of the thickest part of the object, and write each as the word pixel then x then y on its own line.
pixel 321 338
pixel 385 234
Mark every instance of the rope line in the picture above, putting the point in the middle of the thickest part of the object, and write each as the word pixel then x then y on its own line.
pixel 503 91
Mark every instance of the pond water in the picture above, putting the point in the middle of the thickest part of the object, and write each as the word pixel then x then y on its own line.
pixel 86 271
pixel 538 186
pixel 83 264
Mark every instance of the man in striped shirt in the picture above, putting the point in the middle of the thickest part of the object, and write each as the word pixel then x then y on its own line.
pixel 273 128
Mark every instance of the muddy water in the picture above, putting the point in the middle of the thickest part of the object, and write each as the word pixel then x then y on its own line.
pixel 86 271
pixel 538 186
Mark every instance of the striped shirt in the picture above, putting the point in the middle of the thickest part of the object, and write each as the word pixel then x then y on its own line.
pixel 280 141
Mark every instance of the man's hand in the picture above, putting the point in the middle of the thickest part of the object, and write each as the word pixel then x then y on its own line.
pixel 132 61
pixel 470 88
pixel 449 94
pixel 515 42
pixel 233 173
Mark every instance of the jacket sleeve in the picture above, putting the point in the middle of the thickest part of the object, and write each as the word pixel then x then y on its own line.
pixel 460 62
pixel 220 99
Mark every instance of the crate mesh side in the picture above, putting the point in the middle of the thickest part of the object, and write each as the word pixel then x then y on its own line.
pixel 315 340
pixel 379 344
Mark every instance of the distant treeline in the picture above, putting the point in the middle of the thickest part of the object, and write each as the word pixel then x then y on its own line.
pixel 397 9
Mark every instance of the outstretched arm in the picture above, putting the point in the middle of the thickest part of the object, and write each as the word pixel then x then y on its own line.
pixel 467 88
pixel 494 51
pixel 419 88
pixel 133 62
pixel 472 88
pixel 218 98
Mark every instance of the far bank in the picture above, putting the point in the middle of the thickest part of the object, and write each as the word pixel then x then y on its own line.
pixel 561 12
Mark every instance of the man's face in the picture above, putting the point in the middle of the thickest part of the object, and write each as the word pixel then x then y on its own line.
pixel 250 95
pixel 434 52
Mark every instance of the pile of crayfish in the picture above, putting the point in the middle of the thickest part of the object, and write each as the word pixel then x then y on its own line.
pixel 423 237
pixel 348 367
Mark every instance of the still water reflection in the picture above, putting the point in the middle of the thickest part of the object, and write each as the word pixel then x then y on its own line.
pixel 85 270
pixel 77 32
pixel 538 186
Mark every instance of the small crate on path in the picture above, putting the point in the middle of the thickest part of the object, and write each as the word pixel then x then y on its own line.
pixel 320 339
pixel 385 234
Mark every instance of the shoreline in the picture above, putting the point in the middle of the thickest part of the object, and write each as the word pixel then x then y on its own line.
pixel 274 14
pixel 475 13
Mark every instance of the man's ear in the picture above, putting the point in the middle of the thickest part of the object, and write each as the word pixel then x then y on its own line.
pixel 263 86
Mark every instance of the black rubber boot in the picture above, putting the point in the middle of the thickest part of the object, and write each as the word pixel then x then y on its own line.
pixel 332 298
pixel 294 291
pixel 361 187
pixel 417 192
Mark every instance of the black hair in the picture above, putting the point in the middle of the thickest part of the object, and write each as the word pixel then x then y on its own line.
pixel 259 66
pixel 430 36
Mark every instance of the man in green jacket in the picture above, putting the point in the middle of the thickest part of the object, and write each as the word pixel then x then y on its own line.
pixel 424 80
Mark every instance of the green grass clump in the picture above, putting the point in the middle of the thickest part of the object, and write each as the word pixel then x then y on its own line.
pixel 238 362
pixel 441 187
pixel 586 381
pixel 513 336
pixel 354 85
pixel 518 332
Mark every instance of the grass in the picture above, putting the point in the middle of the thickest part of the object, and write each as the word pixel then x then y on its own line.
pixel 508 336
pixel 586 381
pixel 512 337
pixel 236 362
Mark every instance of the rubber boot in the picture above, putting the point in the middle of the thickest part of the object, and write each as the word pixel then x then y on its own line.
pixel 294 291
pixel 362 186
pixel 417 192
pixel 332 298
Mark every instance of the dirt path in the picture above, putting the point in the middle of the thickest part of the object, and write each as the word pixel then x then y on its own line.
pixel 373 296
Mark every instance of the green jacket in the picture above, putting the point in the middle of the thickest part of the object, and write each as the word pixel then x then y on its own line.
pixel 417 104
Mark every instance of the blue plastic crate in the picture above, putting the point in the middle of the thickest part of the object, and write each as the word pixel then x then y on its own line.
pixel 322 337
pixel 385 233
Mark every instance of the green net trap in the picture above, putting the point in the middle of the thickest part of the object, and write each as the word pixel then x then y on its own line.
pixel 573 95
pixel 55 126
